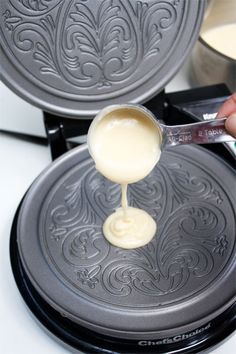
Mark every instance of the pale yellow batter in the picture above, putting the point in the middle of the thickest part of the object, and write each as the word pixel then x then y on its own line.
pixel 223 39
pixel 125 146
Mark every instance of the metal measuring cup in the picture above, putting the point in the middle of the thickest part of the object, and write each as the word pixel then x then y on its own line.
pixel 210 131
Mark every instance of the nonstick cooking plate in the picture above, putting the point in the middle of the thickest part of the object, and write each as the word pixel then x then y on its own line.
pixel 72 58
pixel 180 281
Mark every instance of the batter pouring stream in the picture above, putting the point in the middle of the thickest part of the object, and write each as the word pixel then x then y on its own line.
pixel 125 147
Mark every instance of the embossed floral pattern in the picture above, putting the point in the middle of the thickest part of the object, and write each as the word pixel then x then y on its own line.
pixel 192 242
pixel 95 45
pixel 88 277
pixel 10 21
pixel 219 245
pixel 35 5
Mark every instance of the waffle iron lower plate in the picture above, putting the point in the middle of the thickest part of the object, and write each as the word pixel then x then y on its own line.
pixel 175 289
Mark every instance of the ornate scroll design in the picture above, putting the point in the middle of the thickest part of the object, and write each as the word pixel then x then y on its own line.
pixel 88 277
pixel 87 44
pixel 110 46
pixel 10 21
pixel 186 187
pixel 84 246
pixel 86 202
pixel 34 7
pixel 179 253
pixel 42 47
pixel 191 232
pixel 38 37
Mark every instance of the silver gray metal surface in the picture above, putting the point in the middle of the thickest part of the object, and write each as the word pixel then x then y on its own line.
pixel 180 281
pixel 205 132
pixel 72 58
pixel 211 67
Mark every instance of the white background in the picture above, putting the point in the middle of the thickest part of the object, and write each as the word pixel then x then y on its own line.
pixel 20 163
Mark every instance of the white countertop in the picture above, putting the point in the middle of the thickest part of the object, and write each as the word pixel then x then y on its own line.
pixel 21 162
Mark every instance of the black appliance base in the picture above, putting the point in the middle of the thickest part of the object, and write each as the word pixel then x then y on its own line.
pixel 83 340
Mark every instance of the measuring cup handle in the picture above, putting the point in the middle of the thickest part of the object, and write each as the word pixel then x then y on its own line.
pixel 212 131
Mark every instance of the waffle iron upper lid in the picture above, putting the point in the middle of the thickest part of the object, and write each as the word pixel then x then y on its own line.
pixel 72 58
pixel 184 277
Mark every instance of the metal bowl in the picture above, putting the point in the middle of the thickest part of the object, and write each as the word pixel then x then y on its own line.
pixel 210 66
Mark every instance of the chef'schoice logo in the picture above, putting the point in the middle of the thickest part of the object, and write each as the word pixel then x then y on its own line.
pixel 175 339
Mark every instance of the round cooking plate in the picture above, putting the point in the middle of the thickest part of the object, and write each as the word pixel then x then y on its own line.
pixel 184 278
pixel 72 58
